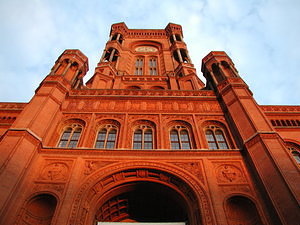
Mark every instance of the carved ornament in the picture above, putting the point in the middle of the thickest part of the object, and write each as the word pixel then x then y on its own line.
pixel 227 173
pixel 193 167
pixel 92 165
pixel 145 49
pixel 55 171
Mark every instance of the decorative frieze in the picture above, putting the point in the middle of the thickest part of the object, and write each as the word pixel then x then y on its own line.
pixel 280 108
pixel 120 105
pixel 135 93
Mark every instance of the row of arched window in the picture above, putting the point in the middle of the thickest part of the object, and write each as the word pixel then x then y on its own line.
pixel 143 137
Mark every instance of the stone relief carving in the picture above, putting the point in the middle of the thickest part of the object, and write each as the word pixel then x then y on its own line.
pixel 194 168
pixel 229 174
pixel 91 166
pixel 140 105
pixel 56 171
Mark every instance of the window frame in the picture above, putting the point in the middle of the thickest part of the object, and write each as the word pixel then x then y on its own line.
pixel 213 138
pixel 139 65
pixel 180 142
pixel 73 128
pixel 294 151
pixel 108 128
pixel 142 141
pixel 153 69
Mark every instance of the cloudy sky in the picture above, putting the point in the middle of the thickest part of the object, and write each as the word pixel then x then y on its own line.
pixel 261 36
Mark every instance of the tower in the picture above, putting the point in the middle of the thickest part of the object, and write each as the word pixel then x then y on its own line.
pixel 144 140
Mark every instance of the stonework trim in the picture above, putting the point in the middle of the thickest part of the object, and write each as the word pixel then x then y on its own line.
pixel 92 183
pixel 30 132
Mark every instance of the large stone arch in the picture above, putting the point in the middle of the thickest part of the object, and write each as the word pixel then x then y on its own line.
pixel 99 183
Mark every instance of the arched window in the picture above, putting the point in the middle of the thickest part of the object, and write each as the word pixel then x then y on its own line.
pixel 217 72
pixel 181 56
pixel 70 136
pixel 139 64
pixel 153 66
pixel 294 149
pixel 143 137
pixel 117 37
pixel 39 210
pixel 241 210
pixel 111 55
pixel 178 37
pixel 215 138
pixel 179 138
pixel 107 137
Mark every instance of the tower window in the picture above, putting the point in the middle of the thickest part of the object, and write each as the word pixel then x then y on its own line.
pixel 143 138
pixel 178 37
pixel 70 136
pixel 294 149
pixel 117 37
pixel 179 137
pixel 139 64
pixel 106 137
pixel 152 66
pixel 110 55
pixel 215 138
pixel 181 56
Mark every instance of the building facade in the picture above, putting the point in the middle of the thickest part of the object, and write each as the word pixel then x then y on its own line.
pixel 145 140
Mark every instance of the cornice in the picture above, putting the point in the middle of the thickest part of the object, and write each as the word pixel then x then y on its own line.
pixel 142 93
pixel 125 153
pixel 12 106
pixel 280 108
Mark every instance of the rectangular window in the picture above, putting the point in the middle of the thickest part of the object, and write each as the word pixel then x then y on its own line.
pixel 139 64
pixel 175 144
pixel 152 66
pixel 137 139
pixel 148 139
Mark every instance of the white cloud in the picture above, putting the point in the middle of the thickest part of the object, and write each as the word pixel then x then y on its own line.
pixel 261 37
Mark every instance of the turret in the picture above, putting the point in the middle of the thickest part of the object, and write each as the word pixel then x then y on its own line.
pixel 72 66
pixel 217 67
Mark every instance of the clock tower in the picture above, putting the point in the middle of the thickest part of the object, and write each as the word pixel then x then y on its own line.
pixel 162 53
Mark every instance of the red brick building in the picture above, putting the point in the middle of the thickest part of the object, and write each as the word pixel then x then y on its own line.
pixel 145 140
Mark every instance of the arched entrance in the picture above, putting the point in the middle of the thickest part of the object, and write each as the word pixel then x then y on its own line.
pixel 141 192
pixel 143 202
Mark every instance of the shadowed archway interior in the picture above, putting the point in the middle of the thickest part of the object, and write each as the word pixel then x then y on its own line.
pixel 144 202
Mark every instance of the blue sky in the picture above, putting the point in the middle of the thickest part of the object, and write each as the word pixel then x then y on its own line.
pixel 261 36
